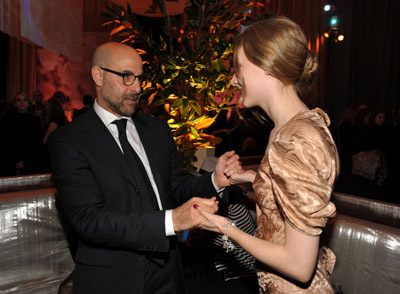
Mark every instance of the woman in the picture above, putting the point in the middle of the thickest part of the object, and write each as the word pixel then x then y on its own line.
pixel 22 134
pixel 55 114
pixel 295 179
pixel 55 118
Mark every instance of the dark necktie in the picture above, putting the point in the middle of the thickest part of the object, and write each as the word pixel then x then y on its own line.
pixel 139 172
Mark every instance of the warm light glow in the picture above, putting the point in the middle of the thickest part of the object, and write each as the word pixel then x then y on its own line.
pixel 326 35
pixel 340 38
pixel 327 7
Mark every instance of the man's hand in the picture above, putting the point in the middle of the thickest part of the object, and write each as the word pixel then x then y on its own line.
pixel 186 216
pixel 227 165
pixel 212 222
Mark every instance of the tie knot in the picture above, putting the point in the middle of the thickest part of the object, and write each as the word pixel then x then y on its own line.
pixel 121 124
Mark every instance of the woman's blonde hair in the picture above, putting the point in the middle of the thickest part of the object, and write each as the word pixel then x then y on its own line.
pixel 278 46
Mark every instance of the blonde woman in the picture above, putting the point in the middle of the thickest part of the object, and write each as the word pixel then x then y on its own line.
pixel 295 179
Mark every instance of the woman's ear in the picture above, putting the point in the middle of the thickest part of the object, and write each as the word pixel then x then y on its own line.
pixel 97 76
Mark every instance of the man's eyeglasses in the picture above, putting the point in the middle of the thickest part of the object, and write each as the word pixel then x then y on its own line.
pixel 127 78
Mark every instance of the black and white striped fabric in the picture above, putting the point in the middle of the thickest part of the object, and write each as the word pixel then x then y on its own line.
pixel 237 263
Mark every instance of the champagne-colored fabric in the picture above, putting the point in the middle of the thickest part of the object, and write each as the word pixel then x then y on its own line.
pixel 294 183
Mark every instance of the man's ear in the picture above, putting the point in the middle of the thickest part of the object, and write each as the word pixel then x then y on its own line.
pixel 97 76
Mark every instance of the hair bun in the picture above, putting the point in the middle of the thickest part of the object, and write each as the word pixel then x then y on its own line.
pixel 310 69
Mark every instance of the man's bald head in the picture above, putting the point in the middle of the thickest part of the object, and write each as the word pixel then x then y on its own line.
pixel 105 54
pixel 111 63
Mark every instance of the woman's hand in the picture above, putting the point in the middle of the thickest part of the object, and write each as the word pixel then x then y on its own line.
pixel 213 222
pixel 242 176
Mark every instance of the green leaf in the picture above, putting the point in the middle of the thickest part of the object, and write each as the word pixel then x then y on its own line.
pixel 184 108
pixel 177 103
pixel 196 107
pixel 175 74
pixel 176 126
pixel 194 132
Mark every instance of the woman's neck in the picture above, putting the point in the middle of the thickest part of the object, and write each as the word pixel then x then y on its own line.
pixel 285 105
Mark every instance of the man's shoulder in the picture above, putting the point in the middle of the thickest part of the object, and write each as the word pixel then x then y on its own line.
pixel 150 121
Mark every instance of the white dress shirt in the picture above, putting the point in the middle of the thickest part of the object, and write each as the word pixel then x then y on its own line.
pixel 134 139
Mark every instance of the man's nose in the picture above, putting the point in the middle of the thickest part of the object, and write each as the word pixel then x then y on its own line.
pixel 137 86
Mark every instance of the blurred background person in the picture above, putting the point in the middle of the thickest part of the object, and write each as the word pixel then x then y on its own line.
pixel 55 118
pixel 3 106
pixel 144 106
pixel 346 147
pixel 55 115
pixel 22 135
pixel 38 106
pixel 87 101
pixel 378 136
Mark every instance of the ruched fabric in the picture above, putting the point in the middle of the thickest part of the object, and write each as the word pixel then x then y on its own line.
pixel 294 184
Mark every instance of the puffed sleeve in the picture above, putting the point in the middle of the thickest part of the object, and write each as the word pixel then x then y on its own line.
pixel 303 168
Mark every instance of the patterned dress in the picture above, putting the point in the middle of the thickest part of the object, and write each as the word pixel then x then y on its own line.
pixel 294 183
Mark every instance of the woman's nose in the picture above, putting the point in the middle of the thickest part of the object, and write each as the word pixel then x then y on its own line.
pixel 234 81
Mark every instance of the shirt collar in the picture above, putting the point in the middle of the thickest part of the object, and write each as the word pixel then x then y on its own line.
pixel 106 116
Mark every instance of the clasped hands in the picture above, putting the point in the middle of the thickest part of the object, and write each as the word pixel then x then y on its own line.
pixel 200 212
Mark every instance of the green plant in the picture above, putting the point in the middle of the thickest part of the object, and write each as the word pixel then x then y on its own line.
pixel 188 65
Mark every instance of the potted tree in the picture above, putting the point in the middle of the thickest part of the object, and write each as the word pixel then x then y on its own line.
pixel 187 65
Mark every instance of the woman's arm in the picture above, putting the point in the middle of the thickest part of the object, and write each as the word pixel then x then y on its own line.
pixel 52 127
pixel 242 176
pixel 296 258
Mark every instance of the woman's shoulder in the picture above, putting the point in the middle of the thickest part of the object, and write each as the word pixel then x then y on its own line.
pixel 310 125
pixel 306 141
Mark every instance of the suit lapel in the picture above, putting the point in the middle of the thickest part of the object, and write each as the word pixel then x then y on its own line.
pixel 102 140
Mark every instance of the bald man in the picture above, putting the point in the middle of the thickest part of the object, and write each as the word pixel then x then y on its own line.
pixel 126 214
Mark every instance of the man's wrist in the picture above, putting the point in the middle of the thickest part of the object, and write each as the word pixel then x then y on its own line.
pixel 169 224
pixel 218 189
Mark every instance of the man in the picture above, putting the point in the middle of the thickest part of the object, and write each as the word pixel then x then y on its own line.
pixel 87 103
pixel 38 107
pixel 144 106
pixel 127 242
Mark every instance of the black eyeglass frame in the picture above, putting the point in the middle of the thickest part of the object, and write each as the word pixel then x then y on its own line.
pixel 124 75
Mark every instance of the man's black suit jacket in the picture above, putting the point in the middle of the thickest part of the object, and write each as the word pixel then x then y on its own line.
pixel 98 194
